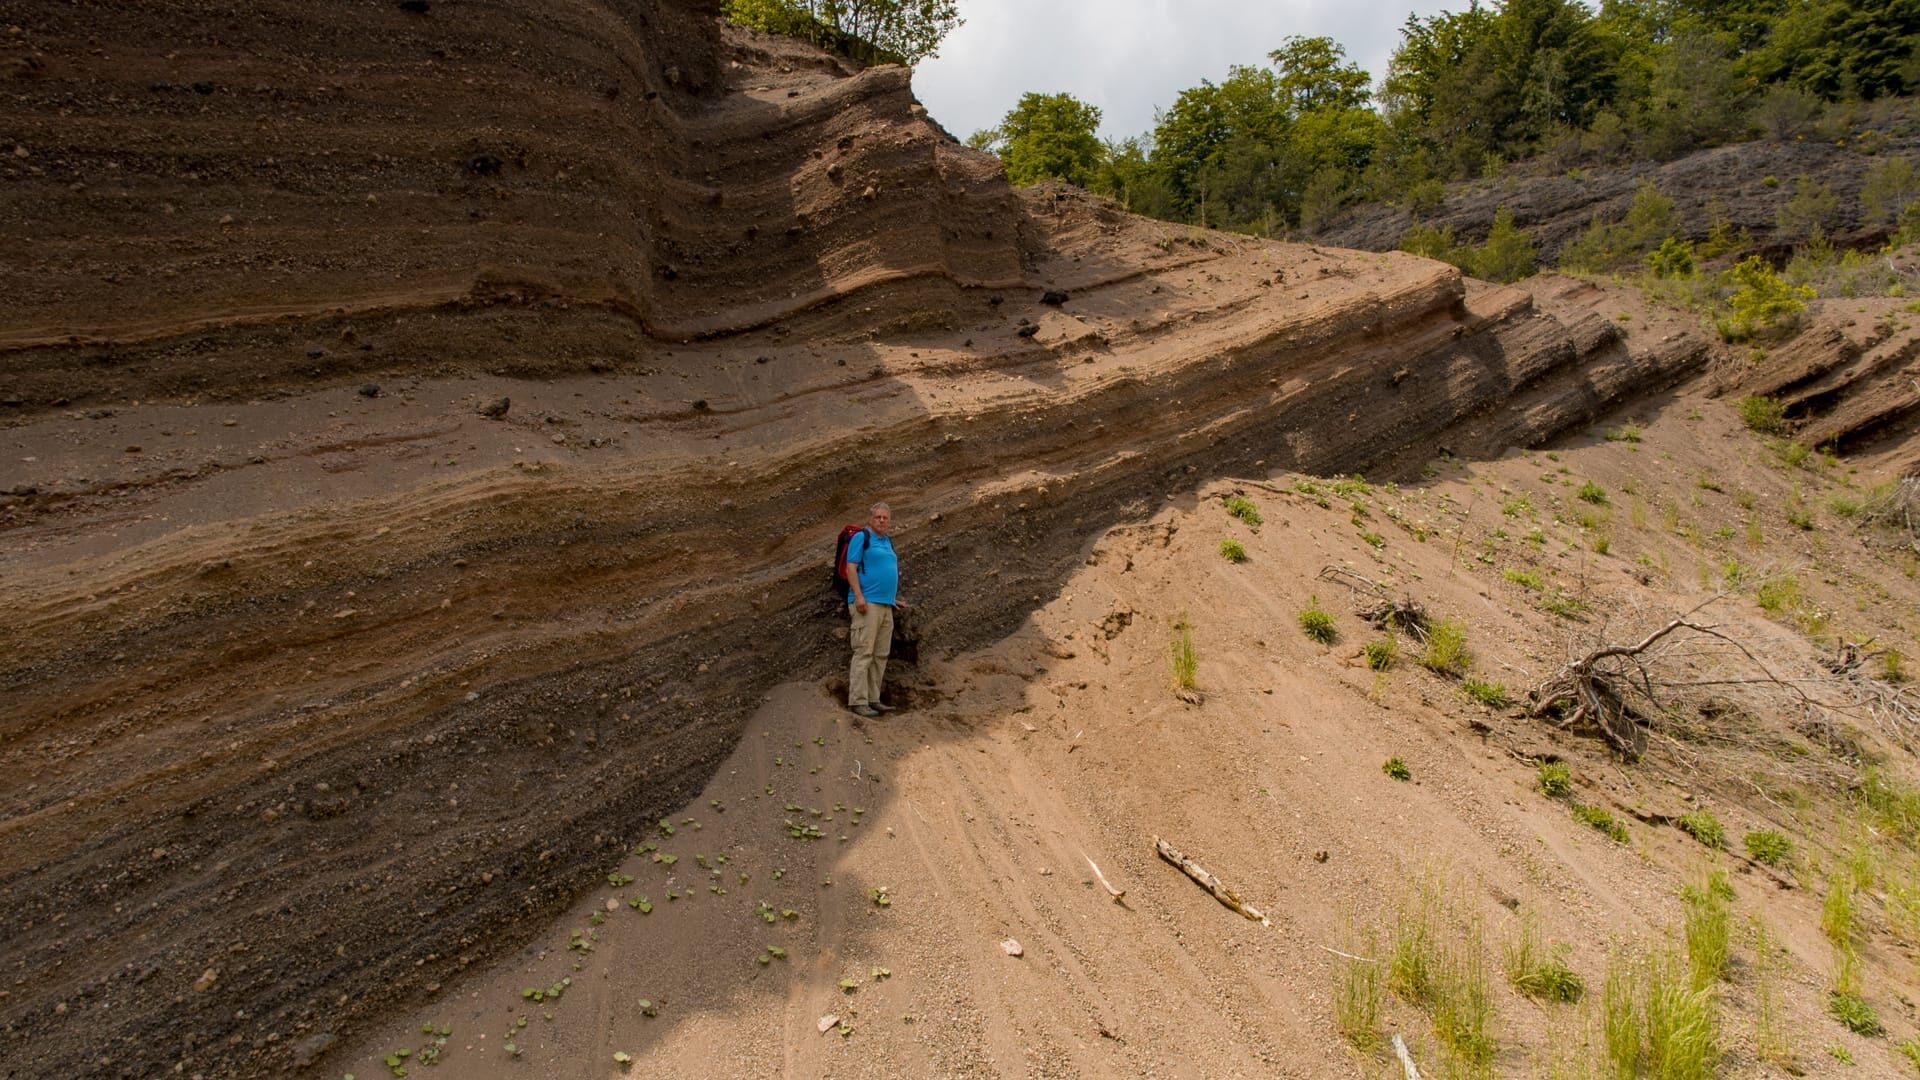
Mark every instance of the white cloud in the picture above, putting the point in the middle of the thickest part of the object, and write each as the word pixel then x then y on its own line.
pixel 1129 56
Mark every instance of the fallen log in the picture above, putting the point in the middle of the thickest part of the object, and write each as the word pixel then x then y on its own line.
pixel 1208 882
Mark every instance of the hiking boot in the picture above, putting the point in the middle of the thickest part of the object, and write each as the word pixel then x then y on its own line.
pixel 881 707
pixel 865 711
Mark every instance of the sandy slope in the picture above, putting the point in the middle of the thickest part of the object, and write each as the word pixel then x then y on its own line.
pixel 977 808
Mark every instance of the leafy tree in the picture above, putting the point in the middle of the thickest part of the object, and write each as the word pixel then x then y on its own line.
pixel 1314 74
pixel 1841 48
pixel 1051 137
pixel 1191 139
pixel 872 31
pixel 1672 259
pixel 1762 300
pixel 1693 97
pixel 1810 211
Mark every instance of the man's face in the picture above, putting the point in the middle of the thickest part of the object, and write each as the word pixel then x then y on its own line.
pixel 880 522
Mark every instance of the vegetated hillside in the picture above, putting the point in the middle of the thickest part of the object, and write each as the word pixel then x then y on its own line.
pixel 423 429
pixel 1744 188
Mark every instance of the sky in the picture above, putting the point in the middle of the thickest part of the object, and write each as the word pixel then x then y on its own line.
pixel 1128 56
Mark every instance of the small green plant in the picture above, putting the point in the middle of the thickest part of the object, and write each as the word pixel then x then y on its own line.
pixel 1600 820
pixel 1890 667
pixel 1491 694
pixel 1446 651
pixel 1707 925
pixel 1683 1039
pixel 1381 654
pixel 1526 579
pixel 1519 504
pixel 1590 492
pixel 1317 623
pixel 1704 827
pixel 1540 971
pixel 1181 653
pixel 1555 780
pixel 1854 1013
pixel 1396 769
pixel 1233 551
pixel 1356 995
pixel 1762 300
pixel 1767 846
pixel 1601 545
pixel 1909 1048
pixel 1763 414
pixel 1628 432
pixel 1244 509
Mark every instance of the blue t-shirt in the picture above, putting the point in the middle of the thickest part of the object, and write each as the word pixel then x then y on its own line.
pixel 879 568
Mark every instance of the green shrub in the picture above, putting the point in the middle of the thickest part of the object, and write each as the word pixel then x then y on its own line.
pixel 1233 551
pixel 1446 652
pixel 1317 623
pixel 1672 259
pixel 1590 492
pixel 1243 509
pixel 1763 414
pixel 1381 654
pixel 1704 827
pixel 1762 300
pixel 1683 1041
pixel 1555 780
pixel 1491 694
pixel 1600 820
pixel 1396 768
pixel 1767 846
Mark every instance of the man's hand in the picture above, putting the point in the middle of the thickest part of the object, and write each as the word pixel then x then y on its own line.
pixel 860 607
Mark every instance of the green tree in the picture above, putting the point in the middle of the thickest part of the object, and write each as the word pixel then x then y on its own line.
pixel 1889 186
pixel 872 31
pixel 1507 255
pixel 1191 141
pixel 1315 74
pixel 1810 211
pixel 1051 137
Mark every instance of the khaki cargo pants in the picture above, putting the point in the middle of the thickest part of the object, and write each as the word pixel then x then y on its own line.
pixel 872 638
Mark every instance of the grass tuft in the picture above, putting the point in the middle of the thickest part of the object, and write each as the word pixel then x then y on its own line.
pixel 1854 1013
pixel 1763 415
pixel 1382 654
pixel 1181 653
pixel 1555 780
pixel 1767 846
pixel 1233 550
pixel 1244 509
pixel 1590 492
pixel 1707 924
pixel 1356 996
pixel 1491 694
pixel 1396 768
pixel 1317 623
pixel 1538 970
pixel 1446 652
pixel 1704 827
pixel 1600 820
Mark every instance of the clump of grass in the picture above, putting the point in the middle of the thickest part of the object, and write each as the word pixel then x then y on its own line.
pixel 1767 846
pixel 1317 623
pixel 1628 432
pixel 1620 1015
pixel 1356 996
pixel 1855 1013
pixel 1526 579
pixel 1909 1048
pixel 1778 595
pixel 1555 780
pixel 1233 550
pixel 1381 654
pixel 1519 504
pixel 1891 669
pixel 1558 601
pixel 1600 820
pixel 1707 923
pixel 1491 694
pixel 1799 516
pixel 1601 544
pixel 1590 492
pixel 1437 962
pixel 1768 1043
pixel 1244 509
pixel 1683 1038
pixel 1181 652
pixel 1538 970
pixel 1763 414
pixel 1396 769
pixel 1836 913
pixel 1446 652
pixel 1704 827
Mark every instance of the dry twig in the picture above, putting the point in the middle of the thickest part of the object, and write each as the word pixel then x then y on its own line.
pixel 1208 882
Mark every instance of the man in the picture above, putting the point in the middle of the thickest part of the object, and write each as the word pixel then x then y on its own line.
pixel 873 578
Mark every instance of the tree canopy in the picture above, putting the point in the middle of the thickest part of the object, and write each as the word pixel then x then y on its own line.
pixel 871 31
pixel 1047 137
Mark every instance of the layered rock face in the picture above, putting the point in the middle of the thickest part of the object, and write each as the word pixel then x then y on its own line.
pixel 321 683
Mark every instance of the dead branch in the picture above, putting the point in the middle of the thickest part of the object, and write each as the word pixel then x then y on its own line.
pixel 1383 611
pixel 1406 1058
pixel 1104 883
pixel 1208 882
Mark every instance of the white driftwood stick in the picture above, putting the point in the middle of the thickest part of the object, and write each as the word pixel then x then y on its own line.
pixel 1406 1059
pixel 1348 955
pixel 1209 882
pixel 1104 883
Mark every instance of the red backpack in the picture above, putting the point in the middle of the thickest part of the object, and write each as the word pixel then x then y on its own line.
pixel 840 585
